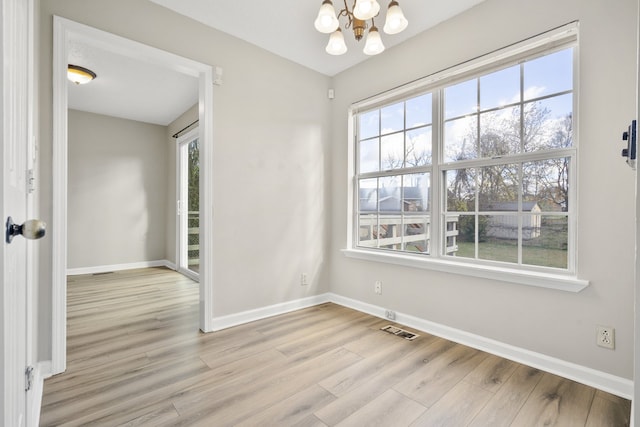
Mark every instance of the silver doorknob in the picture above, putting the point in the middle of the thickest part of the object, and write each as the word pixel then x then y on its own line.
pixel 31 229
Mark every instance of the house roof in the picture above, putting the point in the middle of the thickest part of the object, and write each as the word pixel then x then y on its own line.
pixel 389 198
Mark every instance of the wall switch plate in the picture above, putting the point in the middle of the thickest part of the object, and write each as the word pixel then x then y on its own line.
pixel 605 337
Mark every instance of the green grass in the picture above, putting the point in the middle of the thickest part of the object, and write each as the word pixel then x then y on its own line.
pixel 507 251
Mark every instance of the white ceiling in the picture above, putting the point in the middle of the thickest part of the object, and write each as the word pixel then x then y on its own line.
pixel 127 87
pixel 131 88
pixel 285 27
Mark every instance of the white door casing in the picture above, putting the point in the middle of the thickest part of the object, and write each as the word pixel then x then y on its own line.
pixel 16 129
pixel 62 29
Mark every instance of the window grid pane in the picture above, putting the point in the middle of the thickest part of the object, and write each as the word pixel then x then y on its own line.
pixel 393 209
pixel 513 213
pixel 495 210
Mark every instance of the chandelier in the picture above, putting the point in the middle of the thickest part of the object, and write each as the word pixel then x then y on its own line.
pixel 362 10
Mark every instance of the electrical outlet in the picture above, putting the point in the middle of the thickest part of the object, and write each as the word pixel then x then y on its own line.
pixel 389 314
pixel 605 337
pixel 304 279
pixel 378 287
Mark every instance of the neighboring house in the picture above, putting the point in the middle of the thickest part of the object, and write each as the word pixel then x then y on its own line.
pixel 408 231
pixel 506 226
pixel 383 225
pixel 412 199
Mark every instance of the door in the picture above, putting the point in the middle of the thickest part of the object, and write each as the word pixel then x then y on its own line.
pixel 15 73
pixel 188 158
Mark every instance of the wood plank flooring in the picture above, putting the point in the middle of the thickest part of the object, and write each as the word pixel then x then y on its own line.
pixel 136 357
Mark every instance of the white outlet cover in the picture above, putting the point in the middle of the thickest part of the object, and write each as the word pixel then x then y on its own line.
pixel 605 337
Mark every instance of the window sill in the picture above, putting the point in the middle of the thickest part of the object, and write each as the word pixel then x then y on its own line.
pixel 540 279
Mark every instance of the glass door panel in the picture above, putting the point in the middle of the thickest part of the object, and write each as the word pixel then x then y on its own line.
pixel 189 205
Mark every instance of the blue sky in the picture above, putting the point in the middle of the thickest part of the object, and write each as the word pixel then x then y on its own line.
pixel 544 76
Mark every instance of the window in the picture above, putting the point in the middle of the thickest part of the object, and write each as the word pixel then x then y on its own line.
pixel 475 165
pixel 394 149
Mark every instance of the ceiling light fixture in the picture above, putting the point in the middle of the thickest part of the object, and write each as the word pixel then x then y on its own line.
pixel 328 22
pixel 80 75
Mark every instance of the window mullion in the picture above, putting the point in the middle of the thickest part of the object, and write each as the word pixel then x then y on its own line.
pixel 521 168
pixel 520 211
pixel 436 212
pixel 402 230
pixel 476 243
pixel 516 158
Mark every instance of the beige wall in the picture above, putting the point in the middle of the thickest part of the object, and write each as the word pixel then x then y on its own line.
pixel 116 192
pixel 280 175
pixel 554 323
pixel 271 122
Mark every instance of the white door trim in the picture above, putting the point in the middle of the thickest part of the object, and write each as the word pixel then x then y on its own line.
pixel 59 207
pixel 34 395
pixel 16 121
pixel 62 30
pixel 635 401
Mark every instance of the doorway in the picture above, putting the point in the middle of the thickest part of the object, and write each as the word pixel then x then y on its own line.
pixel 63 30
pixel 188 218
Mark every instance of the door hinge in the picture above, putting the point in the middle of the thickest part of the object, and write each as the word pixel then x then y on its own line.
pixel 31 181
pixel 28 378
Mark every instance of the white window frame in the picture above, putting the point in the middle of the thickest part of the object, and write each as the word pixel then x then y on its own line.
pixel 565 36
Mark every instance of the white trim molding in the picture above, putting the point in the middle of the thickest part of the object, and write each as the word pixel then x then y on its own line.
pixel 41 372
pixel 559 282
pixel 243 317
pixel 63 29
pixel 601 380
pixel 120 267
pixel 59 196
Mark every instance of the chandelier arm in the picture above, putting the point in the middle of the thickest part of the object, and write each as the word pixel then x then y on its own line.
pixel 345 12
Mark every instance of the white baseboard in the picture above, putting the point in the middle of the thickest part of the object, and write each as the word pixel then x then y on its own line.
pixel 601 380
pixel 619 386
pixel 236 319
pixel 120 267
pixel 41 372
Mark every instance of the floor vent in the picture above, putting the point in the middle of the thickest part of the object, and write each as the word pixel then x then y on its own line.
pixel 400 332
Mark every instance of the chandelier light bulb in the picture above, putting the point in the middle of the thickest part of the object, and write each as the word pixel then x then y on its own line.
pixel 374 45
pixel 327 22
pixel 366 9
pixel 336 45
pixel 395 21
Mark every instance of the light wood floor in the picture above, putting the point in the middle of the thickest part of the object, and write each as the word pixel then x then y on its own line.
pixel 135 357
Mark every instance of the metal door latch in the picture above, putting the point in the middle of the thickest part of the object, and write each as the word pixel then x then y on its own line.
pixel 31 229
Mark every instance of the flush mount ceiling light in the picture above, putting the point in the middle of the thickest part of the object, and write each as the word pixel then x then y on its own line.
pixel 362 10
pixel 80 75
